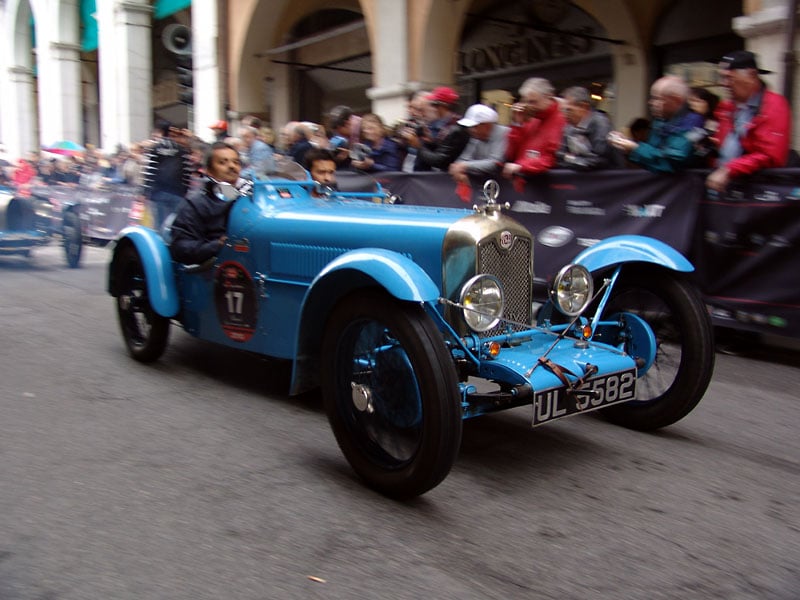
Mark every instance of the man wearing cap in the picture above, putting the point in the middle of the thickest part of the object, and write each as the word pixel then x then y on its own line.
pixel 448 138
pixel 584 146
pixel 220 129
pixel 486 149
pixel 537 125
pixel 754 125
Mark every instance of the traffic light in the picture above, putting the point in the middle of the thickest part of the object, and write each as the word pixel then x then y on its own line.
pixel 185 80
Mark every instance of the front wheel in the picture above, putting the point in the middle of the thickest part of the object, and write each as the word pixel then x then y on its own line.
pixel 684 353
pixel 145 331
pixel 73 239
pixel 391 393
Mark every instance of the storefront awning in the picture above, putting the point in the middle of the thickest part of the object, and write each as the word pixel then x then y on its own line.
pixel 88 25
pixel 165 8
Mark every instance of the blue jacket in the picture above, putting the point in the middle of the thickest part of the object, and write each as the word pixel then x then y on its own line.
pixel 670 146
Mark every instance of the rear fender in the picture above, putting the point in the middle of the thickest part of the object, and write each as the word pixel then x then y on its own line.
pixel 632 248
pixel 367 267
pixel 157 263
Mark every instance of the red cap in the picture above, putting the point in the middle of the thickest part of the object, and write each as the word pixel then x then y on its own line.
pixel 220 125
pixel 443 95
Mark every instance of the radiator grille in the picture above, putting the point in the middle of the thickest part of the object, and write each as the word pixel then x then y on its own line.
pixel 513 269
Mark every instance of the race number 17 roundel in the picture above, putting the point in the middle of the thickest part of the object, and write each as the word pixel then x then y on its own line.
pixel 235 299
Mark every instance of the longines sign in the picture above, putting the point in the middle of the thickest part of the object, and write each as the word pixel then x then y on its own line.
pixel 533 49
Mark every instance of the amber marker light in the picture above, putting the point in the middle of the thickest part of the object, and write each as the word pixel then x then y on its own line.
pixel 494 349
pixel 587 332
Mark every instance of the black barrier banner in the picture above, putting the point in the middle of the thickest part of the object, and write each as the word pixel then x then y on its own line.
pixel 568 211
pixel 744 244
pixel 747 254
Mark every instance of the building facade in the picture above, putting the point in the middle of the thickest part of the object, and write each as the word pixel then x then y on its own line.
pixel 101 71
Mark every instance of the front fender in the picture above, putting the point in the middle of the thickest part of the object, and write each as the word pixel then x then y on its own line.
pixel 157 264
pixel 367 267
pixel 632 248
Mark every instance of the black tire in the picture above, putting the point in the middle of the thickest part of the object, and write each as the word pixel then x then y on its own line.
pixel 391 393
pixel 73 239
pixel 684 360
pixel 145 332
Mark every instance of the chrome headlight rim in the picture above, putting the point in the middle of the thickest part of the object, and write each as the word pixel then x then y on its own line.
pixel 572 289
pixel 489 314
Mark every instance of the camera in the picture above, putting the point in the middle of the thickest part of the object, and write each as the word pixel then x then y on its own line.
pixel 359 152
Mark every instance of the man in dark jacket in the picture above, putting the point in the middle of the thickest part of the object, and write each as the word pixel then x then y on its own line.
pixel 448 138
pixel 199 229
pixel 167 171
pixel 585 146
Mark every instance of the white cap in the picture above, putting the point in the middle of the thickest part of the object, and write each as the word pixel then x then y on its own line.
pixel 477 114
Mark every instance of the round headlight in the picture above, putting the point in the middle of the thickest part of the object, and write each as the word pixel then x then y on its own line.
pixel 482 302
pixel 572 290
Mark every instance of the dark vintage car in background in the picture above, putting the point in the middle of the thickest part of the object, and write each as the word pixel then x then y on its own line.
pixel 34 219
pixel 414 318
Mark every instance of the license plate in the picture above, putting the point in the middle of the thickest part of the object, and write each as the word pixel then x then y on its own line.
pixel 549 405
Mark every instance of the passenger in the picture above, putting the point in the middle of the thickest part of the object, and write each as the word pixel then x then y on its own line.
pixel 447 138
pixel 199 229
pixel 754 124
pixel 486 149
pixel 536 129
pixel 584 144
pixel 321 165
pixel 381 152
pixel 670 146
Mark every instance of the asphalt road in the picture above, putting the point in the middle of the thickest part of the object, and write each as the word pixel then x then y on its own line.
pixel 199 478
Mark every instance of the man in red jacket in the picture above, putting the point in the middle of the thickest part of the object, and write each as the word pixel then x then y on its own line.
pixel 536 129
pixel 754 125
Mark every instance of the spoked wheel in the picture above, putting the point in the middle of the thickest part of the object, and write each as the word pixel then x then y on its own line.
pixel 684 359
pixel 73 239
pixel 145 331
pixel 391 393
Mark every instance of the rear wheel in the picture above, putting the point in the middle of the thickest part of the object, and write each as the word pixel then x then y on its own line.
pixel 684 358
pixel 73 239
pixel 145 331
pixel 391 393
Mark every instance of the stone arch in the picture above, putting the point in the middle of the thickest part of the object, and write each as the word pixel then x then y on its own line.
pixel 255 78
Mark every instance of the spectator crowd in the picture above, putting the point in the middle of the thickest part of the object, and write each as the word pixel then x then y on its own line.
pixel 687 127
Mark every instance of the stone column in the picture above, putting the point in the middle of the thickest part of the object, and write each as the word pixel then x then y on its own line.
pixel 19 118
pixel 206 65
pixel 59 93
pixel 389 59
pixel 125 72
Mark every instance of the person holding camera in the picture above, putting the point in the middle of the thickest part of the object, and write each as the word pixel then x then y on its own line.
pixel 378 152
pixel 447 138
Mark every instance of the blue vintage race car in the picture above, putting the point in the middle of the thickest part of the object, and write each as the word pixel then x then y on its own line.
pixel 413 318
pixel 27 222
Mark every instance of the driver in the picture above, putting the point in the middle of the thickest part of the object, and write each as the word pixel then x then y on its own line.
pixel 198 231
pixel 321 165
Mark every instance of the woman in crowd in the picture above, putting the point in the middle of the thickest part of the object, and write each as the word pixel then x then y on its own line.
pixel 704 103
pixel 384 153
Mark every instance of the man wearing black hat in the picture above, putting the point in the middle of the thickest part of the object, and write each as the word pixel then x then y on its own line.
pixel 754 125
pixel 448 137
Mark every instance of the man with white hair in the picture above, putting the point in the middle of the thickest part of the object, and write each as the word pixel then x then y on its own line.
pixel 486 148
pixel 536 128
pixel 259 157
pixel 670 146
